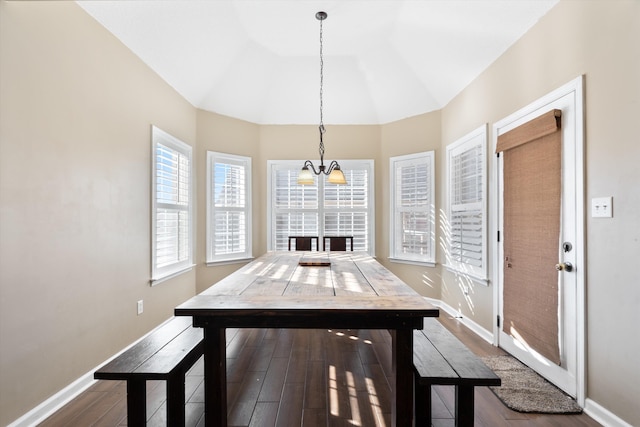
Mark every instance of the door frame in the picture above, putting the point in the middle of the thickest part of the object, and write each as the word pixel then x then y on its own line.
pixel 575 87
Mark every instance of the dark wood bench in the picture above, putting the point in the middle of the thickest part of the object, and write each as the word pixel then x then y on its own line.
pixel 165 354
pixel 440 358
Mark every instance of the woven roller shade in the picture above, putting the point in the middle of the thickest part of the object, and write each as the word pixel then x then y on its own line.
pixel 532 192
pixel 530 131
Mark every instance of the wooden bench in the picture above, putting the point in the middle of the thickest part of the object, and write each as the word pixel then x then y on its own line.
pixel 165 354
pixel 440 358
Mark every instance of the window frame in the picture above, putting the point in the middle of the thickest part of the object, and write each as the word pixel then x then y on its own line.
pixel 473 140
pixel 346 165
pixel 429 259
pixel 160 274
pixel 214 157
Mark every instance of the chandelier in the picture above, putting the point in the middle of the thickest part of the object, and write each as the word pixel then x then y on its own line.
pixel 333 170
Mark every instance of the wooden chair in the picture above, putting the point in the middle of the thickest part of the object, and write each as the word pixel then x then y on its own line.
pixel 304 243
pixel 337 243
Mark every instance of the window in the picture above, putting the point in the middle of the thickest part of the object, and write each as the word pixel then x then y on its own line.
pixel 467 205
pixel 171 211
pixel 321 209
pixel 228 207
pixel 412 225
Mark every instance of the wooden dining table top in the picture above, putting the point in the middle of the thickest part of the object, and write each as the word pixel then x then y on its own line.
pixel 342 284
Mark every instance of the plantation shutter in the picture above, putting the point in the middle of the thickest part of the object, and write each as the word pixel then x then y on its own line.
pixel 321 209
pixel 229 205
pixel 295 207
pixel 413 222
pixel 346 208
pixel 172 207
pixel 466 206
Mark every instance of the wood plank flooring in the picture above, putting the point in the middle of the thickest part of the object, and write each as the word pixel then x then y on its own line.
pixel 287 377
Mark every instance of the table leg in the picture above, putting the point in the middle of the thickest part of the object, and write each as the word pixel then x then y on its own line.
pixel 215 377
pixel 422 405
pixel 402 359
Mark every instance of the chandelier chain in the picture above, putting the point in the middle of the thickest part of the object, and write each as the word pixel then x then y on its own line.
pixel 333 171
pixel 321 93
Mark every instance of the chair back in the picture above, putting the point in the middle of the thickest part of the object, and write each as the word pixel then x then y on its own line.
pixel 337 243
pixel 303 243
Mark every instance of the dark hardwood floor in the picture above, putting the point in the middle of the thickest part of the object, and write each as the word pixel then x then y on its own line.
pixel 304 378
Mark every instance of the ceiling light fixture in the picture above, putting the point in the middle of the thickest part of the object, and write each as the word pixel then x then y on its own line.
pixel 335 173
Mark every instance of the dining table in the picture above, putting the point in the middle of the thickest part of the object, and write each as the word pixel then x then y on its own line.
pixel 313 290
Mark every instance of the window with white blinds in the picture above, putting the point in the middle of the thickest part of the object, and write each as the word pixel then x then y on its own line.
pixel 228 207
pixel 412 225
pixel 467 204
pixel 171 211
pixel 321 209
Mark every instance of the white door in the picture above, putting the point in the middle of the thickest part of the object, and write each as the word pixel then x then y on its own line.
pixel 569 373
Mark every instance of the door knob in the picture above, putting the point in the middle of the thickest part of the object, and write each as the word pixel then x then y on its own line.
pixel 564 266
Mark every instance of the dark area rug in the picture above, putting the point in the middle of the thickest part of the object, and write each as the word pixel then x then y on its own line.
pixel 523 390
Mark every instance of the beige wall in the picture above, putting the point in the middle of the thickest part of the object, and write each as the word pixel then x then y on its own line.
pixel 75 155
pixel 412 135
pixel 226 135
pixel 75 116
pixel 599 39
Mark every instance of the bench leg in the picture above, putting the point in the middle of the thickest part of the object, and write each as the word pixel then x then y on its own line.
pixel 175 400
pixel 464 406
pixel 423 404
pixel 136 403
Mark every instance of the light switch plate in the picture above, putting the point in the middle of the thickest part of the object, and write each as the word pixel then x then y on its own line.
pixel 602 207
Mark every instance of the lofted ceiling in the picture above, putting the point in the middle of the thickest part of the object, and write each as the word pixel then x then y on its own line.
pixel 258 60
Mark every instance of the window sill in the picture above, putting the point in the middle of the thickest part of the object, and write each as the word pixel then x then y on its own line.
pixel 413 262
pixel 229 261
pixel 157 281
pixel 473 277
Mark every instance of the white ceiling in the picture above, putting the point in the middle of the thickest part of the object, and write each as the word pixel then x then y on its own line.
pixel 258 60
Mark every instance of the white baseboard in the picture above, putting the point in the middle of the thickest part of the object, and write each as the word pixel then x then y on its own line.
pixel 476 328
pixel 55 402
pixel 67 394
pixel 603 415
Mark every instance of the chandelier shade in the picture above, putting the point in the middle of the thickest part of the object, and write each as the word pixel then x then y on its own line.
pixel 337 177
pixel 306 177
